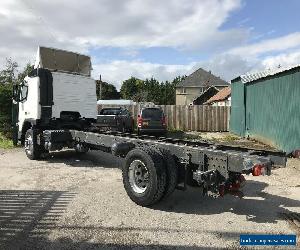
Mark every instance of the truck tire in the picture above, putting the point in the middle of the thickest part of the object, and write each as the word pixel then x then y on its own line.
pixel 32 149
pixel 172 172
pixel 144 176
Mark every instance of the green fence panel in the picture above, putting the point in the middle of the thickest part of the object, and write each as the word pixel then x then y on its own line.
pixel 273 110
pixel 237 116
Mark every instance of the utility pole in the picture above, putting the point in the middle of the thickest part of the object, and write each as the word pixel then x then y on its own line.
pixel 100 87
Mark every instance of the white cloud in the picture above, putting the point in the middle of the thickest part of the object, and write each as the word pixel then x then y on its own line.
pixel 271 45
pixel 117 71
pixel 185 25
pixel 283 59
pixel 82 25
pixel 266 54
pixel 225 66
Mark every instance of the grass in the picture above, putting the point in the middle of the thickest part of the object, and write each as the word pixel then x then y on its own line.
pixel 230 138
pixel 5 143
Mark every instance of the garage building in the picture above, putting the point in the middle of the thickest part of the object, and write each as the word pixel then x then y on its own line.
pixel 266 106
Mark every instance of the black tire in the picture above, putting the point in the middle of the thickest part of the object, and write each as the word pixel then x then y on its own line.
pixel 172 172
pixel 32 149
pixel 156 183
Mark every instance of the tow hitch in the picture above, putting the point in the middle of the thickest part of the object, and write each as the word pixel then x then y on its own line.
pixel 233 187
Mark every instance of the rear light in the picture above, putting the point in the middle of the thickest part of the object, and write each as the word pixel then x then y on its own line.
pixel 163 121
pixel 258 170
pixel 139 121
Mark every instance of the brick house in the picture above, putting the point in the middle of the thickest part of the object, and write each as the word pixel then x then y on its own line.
pixel 188 90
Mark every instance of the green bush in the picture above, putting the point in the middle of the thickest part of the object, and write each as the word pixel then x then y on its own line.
pixel 5 143
pixel 5 109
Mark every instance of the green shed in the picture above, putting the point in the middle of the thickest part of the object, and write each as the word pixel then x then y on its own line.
pixel 266 106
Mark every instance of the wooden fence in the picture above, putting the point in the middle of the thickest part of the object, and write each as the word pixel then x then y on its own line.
pixel 189 118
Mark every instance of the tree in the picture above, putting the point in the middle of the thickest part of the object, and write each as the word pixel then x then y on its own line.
pixel 131 88
pixel 27 69
pixel 5 108
pixel 8 77
pixel 150 90
pixel 170 90
pixel 108 91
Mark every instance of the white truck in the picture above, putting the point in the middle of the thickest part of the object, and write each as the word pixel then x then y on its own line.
pixel 57 108
pixel 59 93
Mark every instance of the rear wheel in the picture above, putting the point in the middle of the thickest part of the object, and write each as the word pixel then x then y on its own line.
pixel 32 149
pixel 144 176
pixel 172 172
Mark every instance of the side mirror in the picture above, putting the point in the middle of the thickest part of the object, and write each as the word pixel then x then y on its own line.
pixel 20 92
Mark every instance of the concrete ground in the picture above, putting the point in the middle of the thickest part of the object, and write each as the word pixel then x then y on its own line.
pixel 78 202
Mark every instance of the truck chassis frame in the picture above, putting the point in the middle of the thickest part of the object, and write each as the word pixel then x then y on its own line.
pixel 217 168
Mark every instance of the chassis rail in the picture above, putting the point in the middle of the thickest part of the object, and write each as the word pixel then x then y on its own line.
pixel 215 167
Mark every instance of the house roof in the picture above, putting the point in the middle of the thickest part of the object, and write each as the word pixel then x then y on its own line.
pixel 202 78
pixel 250 77
pixel 222 95
pixel 206 95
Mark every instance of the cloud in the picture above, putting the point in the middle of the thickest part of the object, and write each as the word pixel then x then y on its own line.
pixel 197 26
pixel 266 54
pixel 117 71
pixel 283 59
pixel 270 45
pixel 225 66
pixel 80 26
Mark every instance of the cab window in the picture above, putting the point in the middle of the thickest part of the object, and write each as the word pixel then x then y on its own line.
pixel 23 92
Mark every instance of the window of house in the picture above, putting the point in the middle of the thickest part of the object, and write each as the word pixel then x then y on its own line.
pixel 183 90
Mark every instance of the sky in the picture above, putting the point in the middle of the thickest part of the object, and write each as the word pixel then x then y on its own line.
pixel 155 38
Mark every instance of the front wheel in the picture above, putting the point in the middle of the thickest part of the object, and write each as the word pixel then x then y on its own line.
pixel 144 176
pixel 32 149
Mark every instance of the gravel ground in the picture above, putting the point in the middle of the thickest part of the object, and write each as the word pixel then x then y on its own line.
pixel 78 202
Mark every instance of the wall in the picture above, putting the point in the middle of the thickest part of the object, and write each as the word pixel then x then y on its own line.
pixel 268 109
pixel 190 118
pixel 237 119
pixel 273 110
pixel 191 93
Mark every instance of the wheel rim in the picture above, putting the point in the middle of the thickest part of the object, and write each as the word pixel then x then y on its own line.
pixel 138 176
pixel 28 144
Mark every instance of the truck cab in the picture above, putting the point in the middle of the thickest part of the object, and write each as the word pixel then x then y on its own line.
pixel 58 93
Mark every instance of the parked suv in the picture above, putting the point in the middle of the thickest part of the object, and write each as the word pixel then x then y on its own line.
pixel 118 119
pixel 151 120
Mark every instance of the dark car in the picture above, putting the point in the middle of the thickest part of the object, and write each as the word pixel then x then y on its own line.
pixel 118 119
pixel 151 121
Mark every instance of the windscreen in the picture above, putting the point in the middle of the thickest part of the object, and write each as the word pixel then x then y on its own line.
pixel 110 111
pixel 65 61
pixel 152 113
